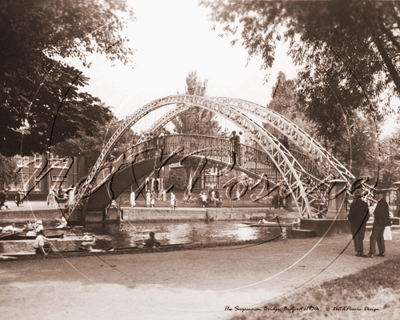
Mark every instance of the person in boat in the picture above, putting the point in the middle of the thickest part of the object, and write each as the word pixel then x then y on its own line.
pixel 151 242
pixel 39 226
pixel 62 222
pixel 11 228
pixel 88 241
pixel 41 246
pixel 28 225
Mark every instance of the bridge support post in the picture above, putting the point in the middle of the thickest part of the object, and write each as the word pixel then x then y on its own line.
pixel 338 204
pixel 288 205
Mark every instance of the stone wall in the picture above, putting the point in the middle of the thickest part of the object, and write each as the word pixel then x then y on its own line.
pixel 193 214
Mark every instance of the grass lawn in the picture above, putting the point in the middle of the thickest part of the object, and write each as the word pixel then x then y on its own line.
pixel 355 297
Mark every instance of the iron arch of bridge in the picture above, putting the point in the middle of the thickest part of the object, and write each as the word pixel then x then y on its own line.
pixel 324 161
pixel 129 175
pixel 288 166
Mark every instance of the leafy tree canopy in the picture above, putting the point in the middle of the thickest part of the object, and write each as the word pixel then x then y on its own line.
pixel 348 35
pixel 196 120
pixel 352 140
pixel 8 171
pixel 90 146
pixel 349 51
pixel 41 93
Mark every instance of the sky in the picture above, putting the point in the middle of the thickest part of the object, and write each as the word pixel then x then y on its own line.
pixel 171 39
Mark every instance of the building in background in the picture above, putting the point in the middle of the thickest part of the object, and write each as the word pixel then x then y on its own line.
pixel 61 174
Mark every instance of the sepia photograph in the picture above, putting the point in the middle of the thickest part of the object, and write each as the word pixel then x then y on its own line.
pixel 199 159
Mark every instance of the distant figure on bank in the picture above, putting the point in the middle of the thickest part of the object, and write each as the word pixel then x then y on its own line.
pixel 203 197
pixel 151 242
pixel 173 200
pixel 19 198
pixel 133 199
pixel 148 199
pixel 381 220
pixel 153 201
pixel 51 198
pixel 40 245
pixel 213 199
pixel 2 198
pixel 71 195
pixel 358 217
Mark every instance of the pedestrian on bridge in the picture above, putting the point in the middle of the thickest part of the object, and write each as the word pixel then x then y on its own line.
pixel 358 217
pixel 235 139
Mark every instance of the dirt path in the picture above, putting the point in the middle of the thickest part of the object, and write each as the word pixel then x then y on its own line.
pixel 188 284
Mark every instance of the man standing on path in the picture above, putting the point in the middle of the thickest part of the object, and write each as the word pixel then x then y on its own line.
pixel 381 220
pixel 358 217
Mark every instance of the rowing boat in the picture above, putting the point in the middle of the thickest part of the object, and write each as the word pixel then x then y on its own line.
pixel 19 236
pixel 272 224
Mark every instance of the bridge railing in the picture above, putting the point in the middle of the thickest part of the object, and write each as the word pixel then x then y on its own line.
pixel 218 148
pixel 211 147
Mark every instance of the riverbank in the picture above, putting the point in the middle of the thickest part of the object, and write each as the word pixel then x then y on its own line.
pixel 184 284
pixel 39 210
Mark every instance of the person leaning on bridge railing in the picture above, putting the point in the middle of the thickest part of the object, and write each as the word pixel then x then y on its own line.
pixel 235 140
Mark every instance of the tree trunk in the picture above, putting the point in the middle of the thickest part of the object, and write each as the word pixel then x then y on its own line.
pixel 388 62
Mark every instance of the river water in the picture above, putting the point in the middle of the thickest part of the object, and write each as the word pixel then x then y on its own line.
pixel 128 234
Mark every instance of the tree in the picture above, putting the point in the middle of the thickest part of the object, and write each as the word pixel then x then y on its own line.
pixel 349 53
pixel 90 145
pixel 8 171
pixel 196 120
pixel 285 101
pixel 36 87
pixel 388 156
pixel 362 37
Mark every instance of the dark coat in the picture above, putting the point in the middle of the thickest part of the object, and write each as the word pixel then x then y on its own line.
pixel 381 214
pixel 150 243
pixel 2 197
pixel 359 213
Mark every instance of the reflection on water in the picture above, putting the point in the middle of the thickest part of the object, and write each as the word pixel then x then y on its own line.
pixel 128 234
